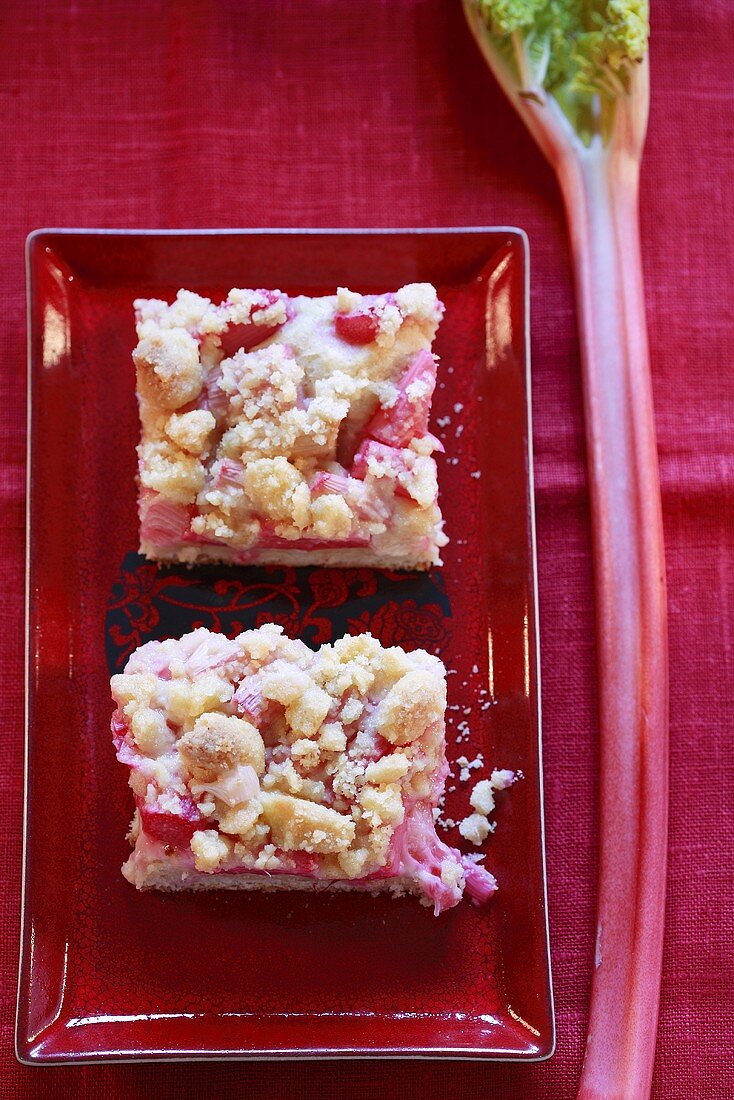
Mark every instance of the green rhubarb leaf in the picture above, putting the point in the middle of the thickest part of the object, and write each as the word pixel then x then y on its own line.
pixel 580 52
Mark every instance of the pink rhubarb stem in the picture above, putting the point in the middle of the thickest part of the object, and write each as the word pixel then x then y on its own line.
pixel 600 188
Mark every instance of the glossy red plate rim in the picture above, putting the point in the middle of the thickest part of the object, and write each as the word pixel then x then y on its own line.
pixel 322 1052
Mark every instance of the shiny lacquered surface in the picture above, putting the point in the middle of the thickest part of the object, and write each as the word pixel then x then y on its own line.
pixel 110 973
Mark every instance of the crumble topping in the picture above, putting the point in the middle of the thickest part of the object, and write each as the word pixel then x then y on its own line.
pixel 150 732
pixel 174 474
pixel 191 431
pixel 411 707
pixel 263 756
pixel 476 827
pixel 209 848
pixel 169 372
pixel 298 825
pixel 218 742
pixel 273 424
pixel 482 797
pixel 346 300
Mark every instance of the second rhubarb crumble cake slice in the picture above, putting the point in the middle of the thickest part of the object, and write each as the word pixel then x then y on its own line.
pixel 257 763
pixel 289 430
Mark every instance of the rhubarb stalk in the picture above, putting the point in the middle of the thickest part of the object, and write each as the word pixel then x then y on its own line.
pixel 577 72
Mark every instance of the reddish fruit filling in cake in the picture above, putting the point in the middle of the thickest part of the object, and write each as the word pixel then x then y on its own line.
pixel 257 763
pixel 279 429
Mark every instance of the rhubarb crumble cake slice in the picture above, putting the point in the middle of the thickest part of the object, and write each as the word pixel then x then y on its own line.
pixel 289 430
pixel 257 763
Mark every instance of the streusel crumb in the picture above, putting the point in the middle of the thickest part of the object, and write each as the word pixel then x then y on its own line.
pixel 220 741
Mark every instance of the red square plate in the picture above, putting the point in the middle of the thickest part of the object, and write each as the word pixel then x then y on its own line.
pixel 107 972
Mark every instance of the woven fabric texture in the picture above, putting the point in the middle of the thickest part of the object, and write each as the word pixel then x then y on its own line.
pixel 273 112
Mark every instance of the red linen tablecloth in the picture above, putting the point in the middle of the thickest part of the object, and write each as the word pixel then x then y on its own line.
pixel 326 113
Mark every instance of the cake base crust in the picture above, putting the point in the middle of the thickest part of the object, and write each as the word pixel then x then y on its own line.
pixel 349 558
pixel 171 879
